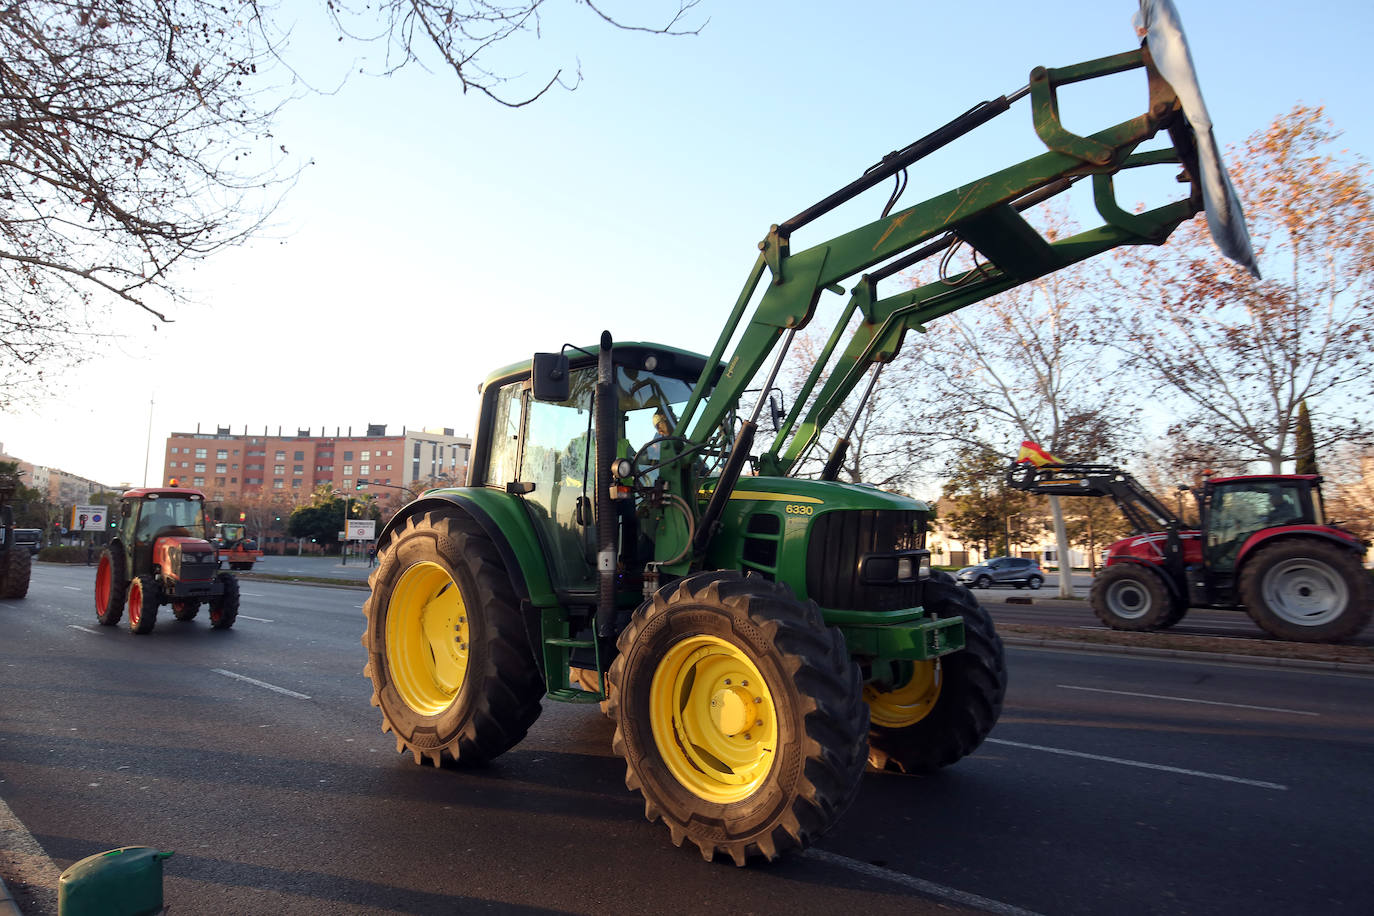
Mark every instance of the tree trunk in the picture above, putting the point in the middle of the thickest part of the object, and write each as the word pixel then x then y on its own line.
pixel 1061 546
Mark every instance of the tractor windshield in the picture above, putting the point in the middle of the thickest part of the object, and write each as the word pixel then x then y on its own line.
pixel 1238 511
pixel 170 516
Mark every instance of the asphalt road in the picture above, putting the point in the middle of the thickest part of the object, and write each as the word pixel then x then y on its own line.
pixel 1113 783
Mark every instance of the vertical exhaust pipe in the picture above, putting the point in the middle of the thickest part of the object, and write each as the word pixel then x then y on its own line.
pixel 607 405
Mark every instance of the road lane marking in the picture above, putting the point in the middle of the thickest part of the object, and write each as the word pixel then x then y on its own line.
pixel 982 904
pixel 73 626
pixel 258 619
pixel 1156 696
pixel 1144 766
pixel 73 588
pixel 257 683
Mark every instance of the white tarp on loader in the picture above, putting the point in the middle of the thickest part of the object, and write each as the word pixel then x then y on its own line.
pixel 1158 23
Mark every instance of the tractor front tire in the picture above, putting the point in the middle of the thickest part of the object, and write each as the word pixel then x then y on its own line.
pixel 1306 590
pixel 449 656
pixel 739 715
pixel 14 583
pixel 111 585
pixel 938 712
pixel 224 607
pixel 185 610
pixel 1130 596
pixel 142 605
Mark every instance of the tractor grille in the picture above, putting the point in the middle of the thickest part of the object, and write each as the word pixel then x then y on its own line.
pixel 839 540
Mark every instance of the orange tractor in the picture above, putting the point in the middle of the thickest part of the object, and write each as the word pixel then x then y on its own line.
pixel 160 553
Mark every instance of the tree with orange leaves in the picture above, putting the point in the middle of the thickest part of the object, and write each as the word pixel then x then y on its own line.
pixel 1236 357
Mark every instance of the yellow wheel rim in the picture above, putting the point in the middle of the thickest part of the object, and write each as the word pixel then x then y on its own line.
pixel 909 701
pixel 713 719
pixel 427 638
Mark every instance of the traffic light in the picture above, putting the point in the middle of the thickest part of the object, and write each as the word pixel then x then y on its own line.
pixel 360 485
pixel 243 516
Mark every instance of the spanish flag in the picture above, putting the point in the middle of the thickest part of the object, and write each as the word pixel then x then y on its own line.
pixel 1033 454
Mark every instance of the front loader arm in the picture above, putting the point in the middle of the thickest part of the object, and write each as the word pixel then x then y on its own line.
pixel 984 214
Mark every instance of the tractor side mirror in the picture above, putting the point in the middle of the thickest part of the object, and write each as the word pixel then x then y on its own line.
pixel 551 382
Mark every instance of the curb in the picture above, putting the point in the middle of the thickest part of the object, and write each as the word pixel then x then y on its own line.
pixel 1191 654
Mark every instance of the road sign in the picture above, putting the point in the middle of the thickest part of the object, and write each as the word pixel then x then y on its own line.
pixel 88 518
pixel 362 529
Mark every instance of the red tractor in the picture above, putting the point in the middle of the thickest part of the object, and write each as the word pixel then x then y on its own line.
pixel 1264 546
pixel 160 553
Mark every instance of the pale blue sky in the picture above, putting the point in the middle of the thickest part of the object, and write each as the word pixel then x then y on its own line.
pixel 438 236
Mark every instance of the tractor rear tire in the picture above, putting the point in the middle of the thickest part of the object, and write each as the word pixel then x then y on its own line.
pixel 946 707
pixel 18 568
pixel 111 585
pixel 185 610
pixel 142 605
pixel 739 715
pixel 1306 590
pixel 1131 596
pixel 452 668
pixel 224 608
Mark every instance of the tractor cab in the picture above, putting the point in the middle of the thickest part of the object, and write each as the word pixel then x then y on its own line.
pixel 1235 510
pixel 150 515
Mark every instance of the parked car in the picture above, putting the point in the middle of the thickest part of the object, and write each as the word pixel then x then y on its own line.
pixel 1017 571
pixel 32 538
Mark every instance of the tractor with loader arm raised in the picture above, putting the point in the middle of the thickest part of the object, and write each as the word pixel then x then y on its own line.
pixel 1263 545
pixel 757 637
pixel 160 553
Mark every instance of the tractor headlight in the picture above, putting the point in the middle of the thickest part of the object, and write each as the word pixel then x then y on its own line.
pixel 895 568
pixel 622 467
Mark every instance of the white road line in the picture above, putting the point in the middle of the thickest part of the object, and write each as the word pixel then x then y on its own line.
pixel 1156 696
pixel 982 904
pixel 257 683
pixel 258 619
pixel 73 588
pixel 73 626
pixel 1145 766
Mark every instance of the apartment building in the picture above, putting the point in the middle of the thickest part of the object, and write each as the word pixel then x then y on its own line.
pixel 236 466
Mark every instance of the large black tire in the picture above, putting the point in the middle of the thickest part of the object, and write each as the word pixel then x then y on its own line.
pixel 111 585
pixel 142 605
pixel 943 709
pixel 224 608
pixel 1307 590
pixel 18 563
pixel 739 715
pixel 185 609
pixel 450 660
pixel 1132 596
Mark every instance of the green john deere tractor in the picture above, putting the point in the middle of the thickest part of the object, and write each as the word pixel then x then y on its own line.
pixel 758 635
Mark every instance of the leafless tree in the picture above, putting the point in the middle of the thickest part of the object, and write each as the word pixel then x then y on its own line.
pixel 136 136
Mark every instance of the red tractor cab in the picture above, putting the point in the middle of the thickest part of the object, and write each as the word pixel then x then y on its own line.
pixel 161 553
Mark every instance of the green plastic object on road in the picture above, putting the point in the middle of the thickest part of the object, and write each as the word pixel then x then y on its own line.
pixel 758 630
pixel 121 882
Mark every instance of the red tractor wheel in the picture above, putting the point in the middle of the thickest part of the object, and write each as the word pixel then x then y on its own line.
pixel 185 610
pixel 142 604
pixel 1131 596
pixel 111 585
pixel 1307 590
pixel 224 608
